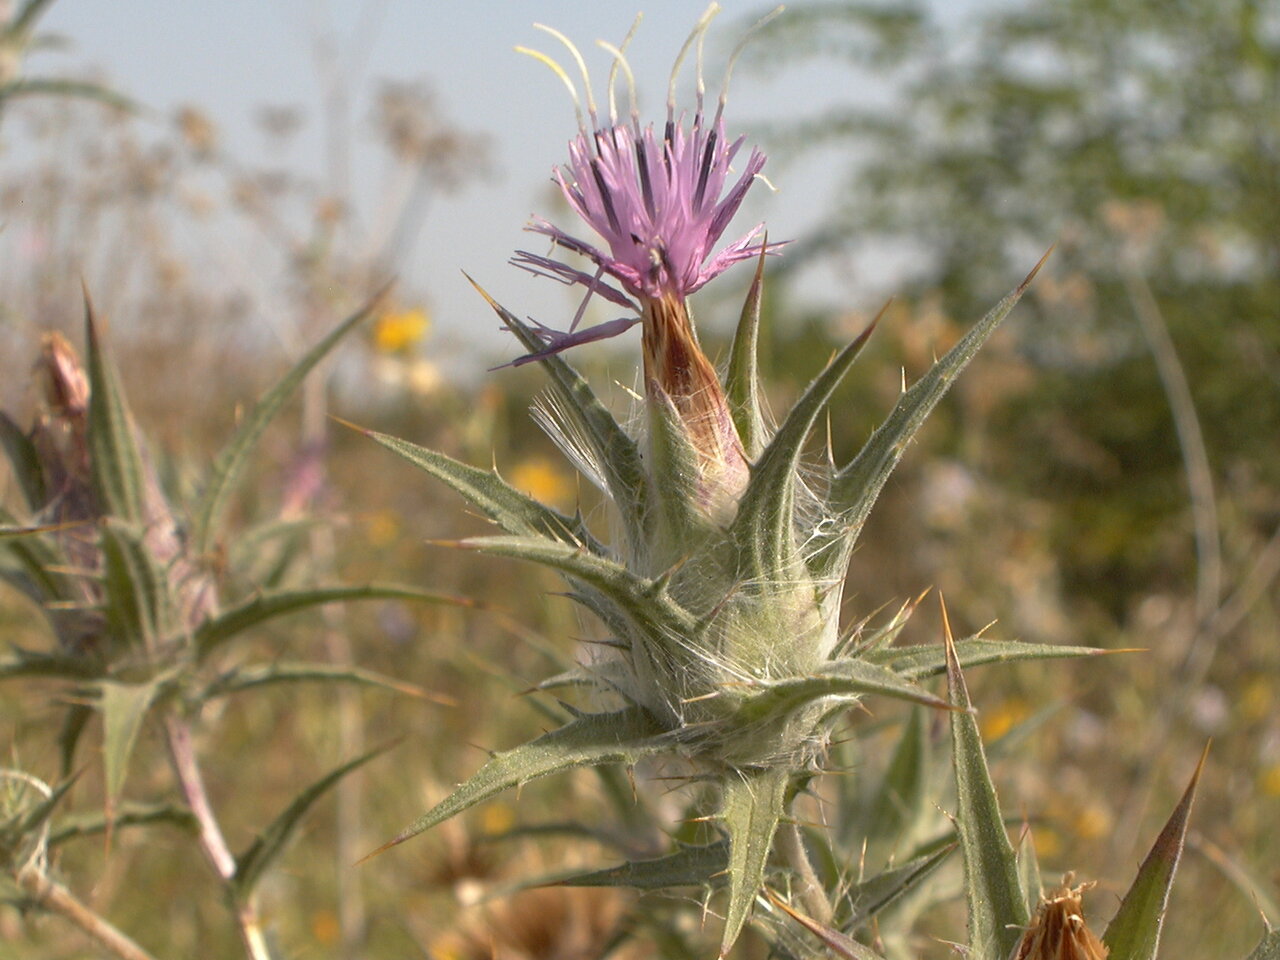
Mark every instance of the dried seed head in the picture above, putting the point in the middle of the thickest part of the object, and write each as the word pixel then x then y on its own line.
pixel 1059 930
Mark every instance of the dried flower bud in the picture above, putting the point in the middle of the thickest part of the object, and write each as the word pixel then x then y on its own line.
pixel 1059 931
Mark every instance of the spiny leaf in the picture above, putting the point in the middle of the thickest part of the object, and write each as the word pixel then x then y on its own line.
pixel 1268 948
pixel 687 867
pixel 140 607
pixel 24 461
pixel 625 736
pixel 271 842
pixel 612 447
pixel 754 801
pixel 213 633
pixel 249 678
pixel 74 722
pixel 638 597
pixel 123 706
pixel 837 943
pixel 843 678
pixel 20 28
pixel 114 459
pixel 1029 869
pixel 764 526
pixel 128 815
pixel 869 897
pixel 34 817
pixel 675 459
pixel 856 486
pixel 996 906
pixel 1134 932
pixel 30 663
pixel 502 503
pixel 930 660
pixel 231 462
pixel 36 557
pixel 742 378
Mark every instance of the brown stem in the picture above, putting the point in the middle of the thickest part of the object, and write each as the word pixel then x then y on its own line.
pixel 54 897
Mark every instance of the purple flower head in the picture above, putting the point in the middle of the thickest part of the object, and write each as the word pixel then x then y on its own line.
pixel 660 202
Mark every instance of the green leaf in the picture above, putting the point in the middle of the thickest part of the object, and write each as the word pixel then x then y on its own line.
pixel 1134 932
pixel 754 801
pixel 625 736
pixel 930 660
pixel 128 815
pixel 687 867
pixel 609 447
pixel 32 818
pixel 502 503
pixel 869 897
pixel 249 678
pixel 123 706
pixel 848 679
pixel 24 461
pixel 857 485
pixel 742 378
pixel 1029 870
pixel 837 943
pixel 674 458
pixel 139 606
pixel 764 528
pixel 996 905
pixel 74 722
pixel 29 663
pixel 1268 948
pixel 641 599
pixel 213 633
pixel 235 455
pixel 25 20
pixel 251 864
pixel 115 462
pixel 35 556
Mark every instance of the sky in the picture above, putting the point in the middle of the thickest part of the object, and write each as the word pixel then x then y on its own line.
pixel 232 57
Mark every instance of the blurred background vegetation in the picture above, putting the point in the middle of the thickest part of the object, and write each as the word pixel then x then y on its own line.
pixel 1106 473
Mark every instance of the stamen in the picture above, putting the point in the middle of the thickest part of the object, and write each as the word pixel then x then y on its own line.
pixel 559 72
pixel 699 29
pixel 582 65
pixel 737 52
pixel 621 61
pixel 613 73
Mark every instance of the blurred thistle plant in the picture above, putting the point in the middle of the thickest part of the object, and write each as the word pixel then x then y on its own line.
pixel 722 594
pixel 131 584
pixel 18 37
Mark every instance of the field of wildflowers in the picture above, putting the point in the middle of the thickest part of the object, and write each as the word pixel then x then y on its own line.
pixel 861 636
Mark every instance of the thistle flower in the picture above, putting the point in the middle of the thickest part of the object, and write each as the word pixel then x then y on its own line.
pixel 661 206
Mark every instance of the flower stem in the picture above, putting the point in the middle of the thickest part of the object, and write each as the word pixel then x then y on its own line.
pixel 212 841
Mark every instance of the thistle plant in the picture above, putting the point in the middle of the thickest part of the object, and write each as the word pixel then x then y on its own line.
pixel 721 591
pixel 132 581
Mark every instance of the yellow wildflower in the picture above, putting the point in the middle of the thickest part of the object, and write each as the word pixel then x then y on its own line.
pixel 541 479
pixel 398 330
